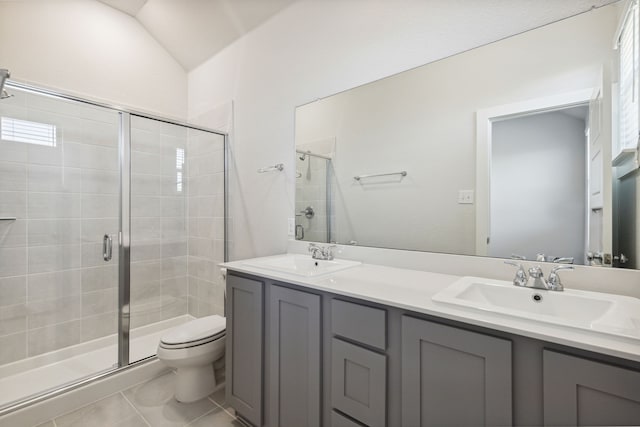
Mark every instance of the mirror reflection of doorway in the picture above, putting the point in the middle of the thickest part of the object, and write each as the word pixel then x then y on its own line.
pixel 538 186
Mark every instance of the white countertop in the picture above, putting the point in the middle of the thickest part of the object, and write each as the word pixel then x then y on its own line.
pixel 412 290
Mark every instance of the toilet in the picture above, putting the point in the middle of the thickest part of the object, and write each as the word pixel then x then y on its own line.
pixel 191 349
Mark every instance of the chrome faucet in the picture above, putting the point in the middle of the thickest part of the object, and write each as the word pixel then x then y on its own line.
pixel 324 253
pixel 521 275
pixel 536 278
pixel 554 282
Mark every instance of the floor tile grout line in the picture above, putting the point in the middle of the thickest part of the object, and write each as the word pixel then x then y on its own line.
pixel 84 406
pixel 135 409
pixel 201 416
pixel 222 407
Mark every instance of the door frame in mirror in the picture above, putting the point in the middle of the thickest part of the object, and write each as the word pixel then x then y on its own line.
pixel 484 123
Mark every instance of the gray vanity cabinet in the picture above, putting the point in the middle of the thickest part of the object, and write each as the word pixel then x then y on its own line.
pixel 454 377
pixel 294 357
pixel 298 357
pixel 244 344
pixel 582 392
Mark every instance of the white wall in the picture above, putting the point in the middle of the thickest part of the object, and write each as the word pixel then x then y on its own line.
pixel 86 48
pixel 313 49
pixel 538 187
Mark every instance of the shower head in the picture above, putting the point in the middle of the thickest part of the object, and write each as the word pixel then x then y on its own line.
pixel 4 75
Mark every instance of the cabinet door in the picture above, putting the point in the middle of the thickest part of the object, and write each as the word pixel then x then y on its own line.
pixel 454 377
pixel 244 347
pixel 581 392
pixel 294 358
pixel 359 383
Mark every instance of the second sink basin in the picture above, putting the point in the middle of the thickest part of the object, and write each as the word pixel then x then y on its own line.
pixel 302 265
pixel 608 313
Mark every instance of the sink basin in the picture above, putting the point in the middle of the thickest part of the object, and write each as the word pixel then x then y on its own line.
pixel 302 265
pixel 594 311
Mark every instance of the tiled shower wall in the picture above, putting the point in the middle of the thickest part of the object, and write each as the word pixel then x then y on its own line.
pixel 158 221
pixel 55 288
pixel 311 191
pixel 205 166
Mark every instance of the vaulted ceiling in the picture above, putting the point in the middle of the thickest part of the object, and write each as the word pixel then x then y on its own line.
pixel 194 30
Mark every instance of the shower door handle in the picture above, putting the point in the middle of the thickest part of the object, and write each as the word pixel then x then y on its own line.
pixel 107 248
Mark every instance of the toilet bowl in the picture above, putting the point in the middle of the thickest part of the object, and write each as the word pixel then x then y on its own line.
pixel 191 349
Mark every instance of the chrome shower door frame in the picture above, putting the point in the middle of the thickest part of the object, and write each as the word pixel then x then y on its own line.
pixel 124 236
pixel 124 240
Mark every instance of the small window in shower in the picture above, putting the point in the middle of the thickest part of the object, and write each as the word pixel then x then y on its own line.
pixel 179 167
pixel 30 132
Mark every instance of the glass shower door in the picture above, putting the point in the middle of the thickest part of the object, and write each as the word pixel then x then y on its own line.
pixel 59 224
pixel 177 229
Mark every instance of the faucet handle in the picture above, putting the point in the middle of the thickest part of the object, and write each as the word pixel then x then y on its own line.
pixel 554 282
pixel 327 251
pixel 561 267
pixel 521 276
pixel 563 260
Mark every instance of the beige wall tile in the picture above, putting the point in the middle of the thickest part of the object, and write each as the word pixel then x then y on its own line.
pixel 53 205
pixel 174 267
pixel 54 258
pixel 99 326
pixel 145 185
pixel 56 179
pixel 13 319
pixel 50 312
pixel 13 347
pixel 100 206
pixel 100 182
pixel 53 232
pixel 13 233
pixel 57 284
pixel 145 206
pixel 14 176
pixel 102 277
pixel 13 261
pixel 49 338
pixel 99 302
pixel 13 204
pixel 13 290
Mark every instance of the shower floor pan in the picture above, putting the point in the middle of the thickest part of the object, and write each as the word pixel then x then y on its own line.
pixel 25 378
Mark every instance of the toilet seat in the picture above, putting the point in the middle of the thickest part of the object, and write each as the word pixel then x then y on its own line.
pixel 193 343
pixel 194 333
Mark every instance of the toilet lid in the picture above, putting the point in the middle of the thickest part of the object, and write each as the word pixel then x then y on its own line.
pixel 195 330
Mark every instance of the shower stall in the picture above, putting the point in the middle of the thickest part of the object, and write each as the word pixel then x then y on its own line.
pixel 112 226
pixel 314 198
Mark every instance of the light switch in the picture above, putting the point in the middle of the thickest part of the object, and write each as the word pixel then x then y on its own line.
pixel 465 197
pixel 291 229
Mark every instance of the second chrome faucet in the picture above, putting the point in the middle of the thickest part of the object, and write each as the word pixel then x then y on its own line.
pixel 536 279
pixel 324 253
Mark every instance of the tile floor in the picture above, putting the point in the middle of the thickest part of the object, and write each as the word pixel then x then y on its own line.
pixel 150 404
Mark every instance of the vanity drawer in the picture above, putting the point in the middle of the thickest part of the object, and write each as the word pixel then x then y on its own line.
pixel 360 323
pixel 359 383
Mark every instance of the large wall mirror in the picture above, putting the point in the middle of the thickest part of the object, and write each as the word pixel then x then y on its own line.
pixel 523 148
